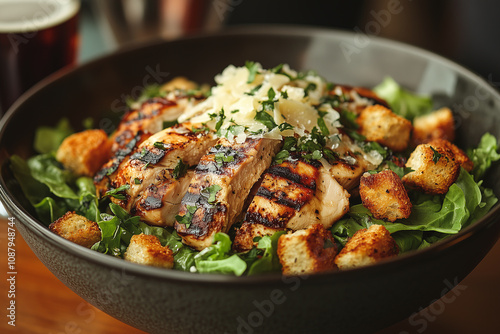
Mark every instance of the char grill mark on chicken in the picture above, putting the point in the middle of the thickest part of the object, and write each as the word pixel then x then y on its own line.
pixel 292 195
pixel 220 186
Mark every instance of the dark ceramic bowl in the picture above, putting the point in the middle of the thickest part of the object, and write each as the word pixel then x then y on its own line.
pixel 161 301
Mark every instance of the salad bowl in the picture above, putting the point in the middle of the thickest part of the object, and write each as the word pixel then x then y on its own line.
pixel 166 301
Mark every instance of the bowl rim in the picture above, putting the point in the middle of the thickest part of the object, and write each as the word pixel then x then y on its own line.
pixel 40 230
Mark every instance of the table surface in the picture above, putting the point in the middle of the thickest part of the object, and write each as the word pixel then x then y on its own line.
pixel 45 305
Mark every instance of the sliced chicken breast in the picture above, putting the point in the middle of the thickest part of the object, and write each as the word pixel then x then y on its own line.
pixel 293 195
pixel 222 182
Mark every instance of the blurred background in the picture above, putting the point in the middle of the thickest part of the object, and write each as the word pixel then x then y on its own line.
pixel 461 30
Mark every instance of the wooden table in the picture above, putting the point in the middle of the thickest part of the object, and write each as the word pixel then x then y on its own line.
pixel 45 305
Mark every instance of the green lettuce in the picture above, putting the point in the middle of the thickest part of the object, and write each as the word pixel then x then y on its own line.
pixel 432 217
pixel 484 155
pixel 48 139
pixel 217 258
pixel 401 101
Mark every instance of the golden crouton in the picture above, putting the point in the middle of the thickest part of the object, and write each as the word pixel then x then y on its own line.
pixel 243 241
pixel 147 249
pixel 84 152
pixel 307 251
pixel 460 156
pixel 77 229
pixel 435 169
pixel 379 124
pixel 385 195
pixel 179 83
pixel 367 246
pixel 436 125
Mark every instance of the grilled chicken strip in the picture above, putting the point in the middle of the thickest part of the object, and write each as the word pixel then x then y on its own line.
pixel 148 118
pixel 159 203
pixel 152 167
pixel 222 182
pixel 292 195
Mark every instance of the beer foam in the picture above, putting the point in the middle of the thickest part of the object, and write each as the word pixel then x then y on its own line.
pixel 23 16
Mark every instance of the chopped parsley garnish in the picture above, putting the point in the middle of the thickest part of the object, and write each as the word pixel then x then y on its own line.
pixel 253 69
pixel 285 126
pixel 266 119
pixel 374 146
pixel 284 94
pixel 436 155
pixel 159 145
pixel 169 124
pixel 210 193
pixel 322 126
pixel 268 105
pixel 219 119
pixel 281 156
pixel 234 111
pixel 179 170
pixel 400 171
pixel 116 192
pixel 310 86
pixel 221 157
pixel 137 181
pixel 254 90
pixel 348 119
pixel 355 135
pixel 188 217
pixel 204 128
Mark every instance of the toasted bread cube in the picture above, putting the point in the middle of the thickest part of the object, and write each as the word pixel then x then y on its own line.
pixel 367 246
pixel 437 125
pixel 84 152
pixel 460 156
pixel 147 249
pixel 243 241
pixel 77 229
pixel 179 83
pixel 385 195
pixel 379 124
pixel 435 169
pixel 307 251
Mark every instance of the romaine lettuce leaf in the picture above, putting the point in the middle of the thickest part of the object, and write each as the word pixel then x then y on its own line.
pixel 436 216
pixel 269 260
pixel 401 101
pixel 48 139
pixel 217 258
pixel 484 155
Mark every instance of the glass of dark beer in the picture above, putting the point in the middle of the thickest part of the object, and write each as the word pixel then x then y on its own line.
pixel 37 37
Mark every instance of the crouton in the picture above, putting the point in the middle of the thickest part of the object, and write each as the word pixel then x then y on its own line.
pixel 77 229
pixel 379 124
pixel 84 152
pixel 460 156
pixel 179 83
pixel 436 125
pixel 243 241
pixel 367 246
pixel 307 251
pixel 385 195
pixel 147 249
pixel 435 169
